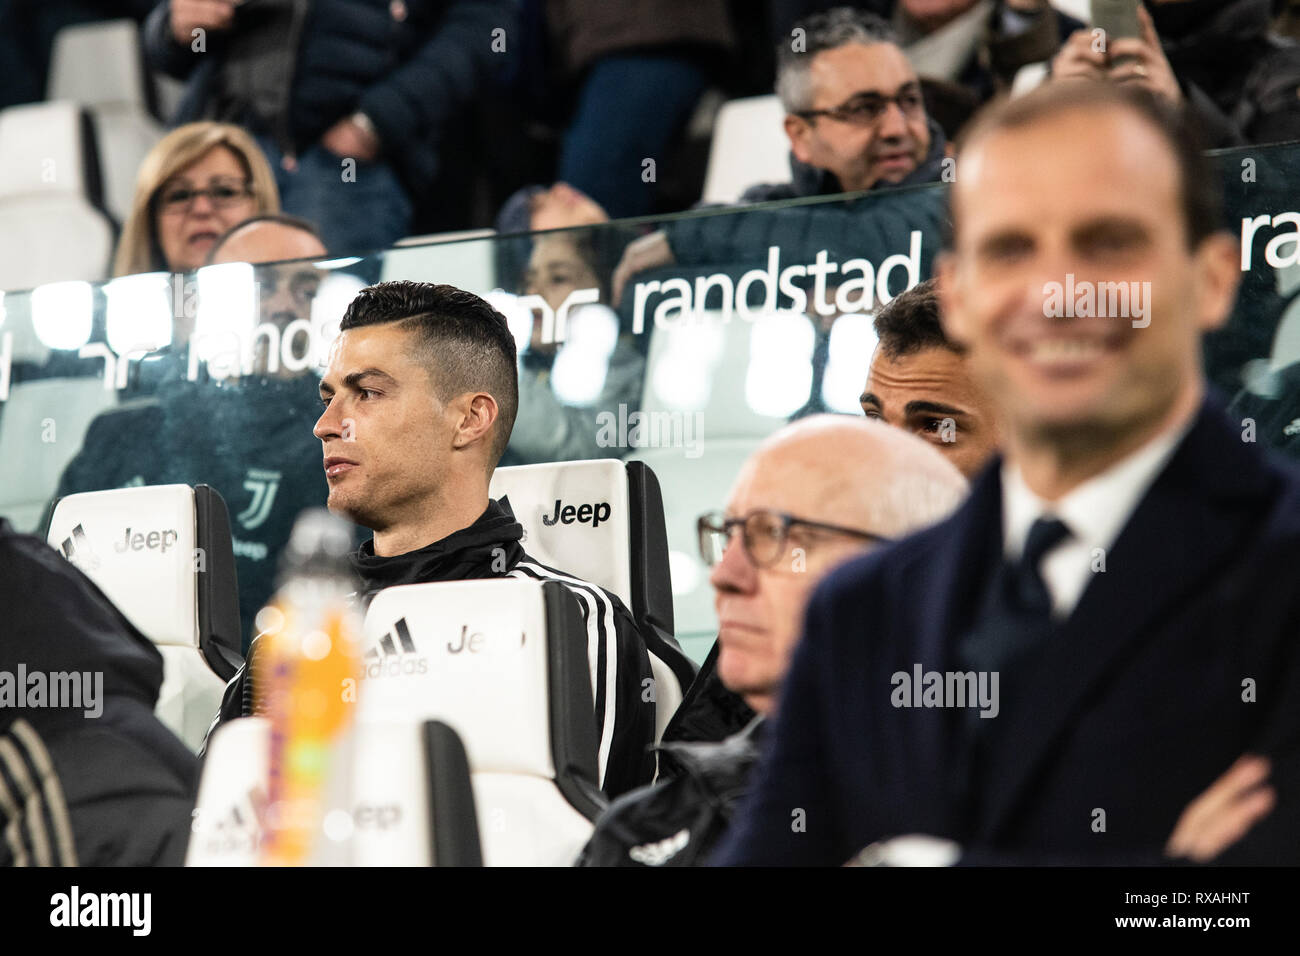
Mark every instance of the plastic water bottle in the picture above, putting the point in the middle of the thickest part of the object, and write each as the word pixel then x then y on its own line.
pixel 305 682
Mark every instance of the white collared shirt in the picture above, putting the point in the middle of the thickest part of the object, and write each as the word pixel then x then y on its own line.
pixel 1095 512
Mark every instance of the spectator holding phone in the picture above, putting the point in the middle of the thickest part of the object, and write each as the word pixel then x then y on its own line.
pixel 1217 58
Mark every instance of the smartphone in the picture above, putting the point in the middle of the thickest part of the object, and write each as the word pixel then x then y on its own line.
pixel 1119 18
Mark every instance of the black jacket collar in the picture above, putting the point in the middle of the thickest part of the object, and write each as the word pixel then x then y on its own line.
pixel 488 548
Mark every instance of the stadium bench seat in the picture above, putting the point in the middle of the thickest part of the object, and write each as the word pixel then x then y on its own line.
pixel 411 802
pixel 163 555
pixel 620 546
pixel 504 663
pixel 749 147
pixel 52 226
pixel 101 67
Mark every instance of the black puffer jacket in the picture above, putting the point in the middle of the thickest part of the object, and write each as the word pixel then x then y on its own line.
pixel 98 785
pixel 410 66
pixel 1239 78
pixel 678 822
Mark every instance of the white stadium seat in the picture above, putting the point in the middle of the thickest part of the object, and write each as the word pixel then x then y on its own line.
pixel 163 555
pixel 101 66
pixel 51 224
pixel 749 147
pixel 410 801
pixel 614 537
pixel 504 663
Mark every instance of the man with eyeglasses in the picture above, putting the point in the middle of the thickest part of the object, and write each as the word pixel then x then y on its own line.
pixel 855 116
pixel 856 121
pixel 814 494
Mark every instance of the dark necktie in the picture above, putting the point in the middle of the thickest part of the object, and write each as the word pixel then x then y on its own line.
pixel 1017 612
pixel 1014 620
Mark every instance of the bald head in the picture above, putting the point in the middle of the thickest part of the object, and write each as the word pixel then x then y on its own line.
pixel 852 474
pixel 267 240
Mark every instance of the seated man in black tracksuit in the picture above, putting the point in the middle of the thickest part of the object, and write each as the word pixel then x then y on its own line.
pixel 853 481
pixel 419 399
pixel 88 776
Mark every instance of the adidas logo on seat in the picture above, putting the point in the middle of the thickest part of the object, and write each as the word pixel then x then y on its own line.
pixel 385 660
pixel 76 548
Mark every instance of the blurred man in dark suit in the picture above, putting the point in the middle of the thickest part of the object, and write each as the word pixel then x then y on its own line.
pixel 1109 623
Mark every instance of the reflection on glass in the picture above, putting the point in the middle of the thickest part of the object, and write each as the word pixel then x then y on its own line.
pixel 853 339
pixel 683 374
pixel 578 375
pixel 780 371
pixel 336 291
pixel 518 316
pixel 138 315
pixel 226 316
pixel 63 314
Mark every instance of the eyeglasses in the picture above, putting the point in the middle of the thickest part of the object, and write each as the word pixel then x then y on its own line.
pixel 865 109
pixel 764 534
pixel 179 199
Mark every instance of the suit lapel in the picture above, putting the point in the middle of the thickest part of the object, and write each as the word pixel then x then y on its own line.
pixel 953 586
pixel 1181 533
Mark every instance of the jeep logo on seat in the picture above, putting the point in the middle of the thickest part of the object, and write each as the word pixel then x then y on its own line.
pixel 568 514
pixel 153 540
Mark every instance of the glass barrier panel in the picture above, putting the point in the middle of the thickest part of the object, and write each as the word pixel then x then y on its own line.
pixel 681 341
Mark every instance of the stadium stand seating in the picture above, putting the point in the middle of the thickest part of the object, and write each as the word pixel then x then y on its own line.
pixel 625 552
pixel 163 555
pixel 503 663
pixel 101 67
pixel 52 225
pixel 749 147
pixel 411 803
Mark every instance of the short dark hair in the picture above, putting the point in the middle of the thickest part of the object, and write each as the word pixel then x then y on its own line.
pixel 280 218
pixel 1202 199
pixel 466 340
pixel 910 323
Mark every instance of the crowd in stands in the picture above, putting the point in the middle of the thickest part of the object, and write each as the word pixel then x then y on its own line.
pixel 378 121
pixel 1066 506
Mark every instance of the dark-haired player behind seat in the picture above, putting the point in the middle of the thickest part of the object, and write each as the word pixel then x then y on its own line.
pixel 918 381
pixel 420 397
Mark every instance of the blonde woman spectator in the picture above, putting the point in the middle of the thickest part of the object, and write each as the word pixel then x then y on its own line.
pixel 199 181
